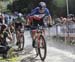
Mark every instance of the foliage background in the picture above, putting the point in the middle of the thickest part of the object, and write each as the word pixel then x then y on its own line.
pixel 56 7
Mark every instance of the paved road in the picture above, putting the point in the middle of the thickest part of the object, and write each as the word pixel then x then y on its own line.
pixel 57 51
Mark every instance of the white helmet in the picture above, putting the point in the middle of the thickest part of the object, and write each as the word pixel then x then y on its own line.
pixel 20 15
pixel 42 5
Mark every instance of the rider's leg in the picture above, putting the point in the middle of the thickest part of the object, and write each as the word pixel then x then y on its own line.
pixel 17 36
pixel 33 33
pixel 29 22
pixel 34 22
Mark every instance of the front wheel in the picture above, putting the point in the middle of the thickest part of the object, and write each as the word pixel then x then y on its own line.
pixel 42 48
pixel 21 43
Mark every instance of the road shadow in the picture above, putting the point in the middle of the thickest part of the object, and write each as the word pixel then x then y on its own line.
pixel 31 59
pixel 26 51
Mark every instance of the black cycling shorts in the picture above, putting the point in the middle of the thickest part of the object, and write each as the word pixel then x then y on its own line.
pixel 18 26
pixel 36 22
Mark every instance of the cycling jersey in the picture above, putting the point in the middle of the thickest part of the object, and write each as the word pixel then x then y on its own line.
pixel 18 23
pixel 36 16
pixel 36 12
pixel 18 26
pixel 20 19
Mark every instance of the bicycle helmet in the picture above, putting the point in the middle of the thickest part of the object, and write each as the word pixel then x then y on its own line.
pixel 20 15
pixel 42 5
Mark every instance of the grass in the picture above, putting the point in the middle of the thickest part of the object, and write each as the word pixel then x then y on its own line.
pixel 13 59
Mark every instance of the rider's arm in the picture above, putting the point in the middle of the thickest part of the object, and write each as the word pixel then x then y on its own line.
pixel 34 11
pixel 49 17
pixel 49 20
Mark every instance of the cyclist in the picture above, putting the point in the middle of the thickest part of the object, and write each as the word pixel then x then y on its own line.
pixel 36 17
pixel 19 25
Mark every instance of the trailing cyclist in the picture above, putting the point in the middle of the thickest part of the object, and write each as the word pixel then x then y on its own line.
pixel 19 28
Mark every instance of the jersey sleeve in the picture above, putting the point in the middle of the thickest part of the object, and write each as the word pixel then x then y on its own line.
pixel 34 11
pixel 47 12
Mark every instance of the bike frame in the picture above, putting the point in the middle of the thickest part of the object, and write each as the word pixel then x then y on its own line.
pixel 37 33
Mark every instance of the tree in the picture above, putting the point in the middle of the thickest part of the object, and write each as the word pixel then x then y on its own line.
pixel 3 5
pixel 56 7
pixel 71 6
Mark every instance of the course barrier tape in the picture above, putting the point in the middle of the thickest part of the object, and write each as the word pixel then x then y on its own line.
pixel 65 29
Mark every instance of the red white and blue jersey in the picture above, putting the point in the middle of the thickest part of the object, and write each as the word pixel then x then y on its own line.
pixel 35 12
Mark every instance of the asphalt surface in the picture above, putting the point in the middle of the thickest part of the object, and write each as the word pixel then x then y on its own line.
pixel 57 50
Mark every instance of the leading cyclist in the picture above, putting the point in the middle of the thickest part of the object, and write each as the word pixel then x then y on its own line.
pixel 37 15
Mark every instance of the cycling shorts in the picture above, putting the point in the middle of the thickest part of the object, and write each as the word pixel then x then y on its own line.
pixel 18 26
pixel 34 21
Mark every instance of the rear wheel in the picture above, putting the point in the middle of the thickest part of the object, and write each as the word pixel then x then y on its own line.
pixel 21 45
pixel 42 48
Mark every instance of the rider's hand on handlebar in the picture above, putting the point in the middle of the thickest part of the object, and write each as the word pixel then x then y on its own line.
pixel 49 25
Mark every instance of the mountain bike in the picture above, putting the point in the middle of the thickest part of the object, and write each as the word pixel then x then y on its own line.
pixel 40 43
pixel 20 39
